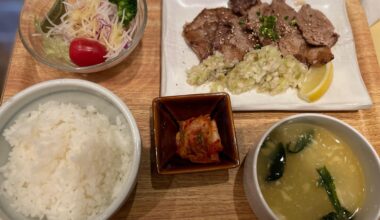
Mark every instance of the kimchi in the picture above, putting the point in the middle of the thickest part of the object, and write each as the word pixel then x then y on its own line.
pixel 198 140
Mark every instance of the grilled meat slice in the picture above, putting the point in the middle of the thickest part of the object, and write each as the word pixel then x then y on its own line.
pixel 252 22
pixel 230 51
pixel 217 30
pixel 201 31
pixel 291 41
pixel 285 15
pixel 240 7
pixel 293 44
pixel 317 56
pixel 316 28
pixel 307 35
pixel 232 41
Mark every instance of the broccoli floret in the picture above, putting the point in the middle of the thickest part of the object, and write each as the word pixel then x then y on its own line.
pixel 129 7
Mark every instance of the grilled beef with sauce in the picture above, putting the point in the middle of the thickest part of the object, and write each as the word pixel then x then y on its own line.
pixel 217 30
pixel 290 39
pixel 316 56
pixel 293 44
pixel 200 33
pixel 307 35
pixel 285 17
pixel 280 11
pixel 233 45
pixel 240 7
pixel 253 23
pixel 316 28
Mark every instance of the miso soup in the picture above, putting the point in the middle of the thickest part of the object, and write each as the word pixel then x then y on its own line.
pixel 297 193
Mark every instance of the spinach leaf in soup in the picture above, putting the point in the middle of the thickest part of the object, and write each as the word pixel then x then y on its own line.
pixel 303 141
pixel 277 164
pixel 327 182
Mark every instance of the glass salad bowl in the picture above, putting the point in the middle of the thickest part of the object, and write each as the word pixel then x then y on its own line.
pixel 36 20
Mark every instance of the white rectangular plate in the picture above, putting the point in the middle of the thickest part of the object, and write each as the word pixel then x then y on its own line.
pixel 347 91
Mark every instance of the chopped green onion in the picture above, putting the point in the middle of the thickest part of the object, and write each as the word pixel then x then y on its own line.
pixel 293 22
pixel 268 27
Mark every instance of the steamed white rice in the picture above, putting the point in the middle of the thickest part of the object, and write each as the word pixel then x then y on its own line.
pixel 67 162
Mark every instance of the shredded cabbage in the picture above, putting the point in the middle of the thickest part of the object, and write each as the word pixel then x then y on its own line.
pixel 94 19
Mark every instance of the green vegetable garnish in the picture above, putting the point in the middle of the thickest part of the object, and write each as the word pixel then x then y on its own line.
pixel 328 183
pixel 303 141
pixel 334 216
pixel 54 15
pixel 241 21
pixel 268 27
pixel 293 22
pixel 277 165
pixel 128 8
pixel 257 46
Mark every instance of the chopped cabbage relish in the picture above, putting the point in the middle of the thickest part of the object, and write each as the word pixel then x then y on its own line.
pixel 266 70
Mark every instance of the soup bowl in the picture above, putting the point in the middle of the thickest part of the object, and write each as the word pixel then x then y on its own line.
pixel 360 147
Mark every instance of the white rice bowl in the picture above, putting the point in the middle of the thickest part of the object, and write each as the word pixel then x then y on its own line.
pixel 69 149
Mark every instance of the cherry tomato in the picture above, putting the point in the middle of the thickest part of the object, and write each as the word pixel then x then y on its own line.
pixel 87 52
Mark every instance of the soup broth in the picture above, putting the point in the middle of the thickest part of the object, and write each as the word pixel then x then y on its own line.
pixel 297 194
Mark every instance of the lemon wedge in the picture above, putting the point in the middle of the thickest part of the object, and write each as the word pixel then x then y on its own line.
pixel 316 82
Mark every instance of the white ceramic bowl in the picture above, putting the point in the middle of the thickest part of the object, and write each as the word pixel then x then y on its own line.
pixel 82 93
pixel 363 150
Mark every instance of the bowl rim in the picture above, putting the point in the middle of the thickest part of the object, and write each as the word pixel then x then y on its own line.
pixel 256 152
pixel 117 102
pixel 93 68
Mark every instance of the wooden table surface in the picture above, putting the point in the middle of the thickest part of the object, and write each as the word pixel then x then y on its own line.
pixel 210 195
